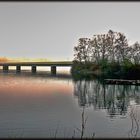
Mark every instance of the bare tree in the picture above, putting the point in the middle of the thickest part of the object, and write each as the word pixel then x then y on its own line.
pixel 136 53
pixel 121 45
pixel 82 52
pixel 112 47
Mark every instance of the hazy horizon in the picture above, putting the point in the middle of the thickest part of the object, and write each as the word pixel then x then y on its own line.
pixel 51 29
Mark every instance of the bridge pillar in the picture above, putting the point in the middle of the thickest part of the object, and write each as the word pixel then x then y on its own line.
pixel 5 68
pixel 53 69
pixel 33 69
pixel 18 69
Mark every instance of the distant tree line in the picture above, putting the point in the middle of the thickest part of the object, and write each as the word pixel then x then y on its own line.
pixel 110 47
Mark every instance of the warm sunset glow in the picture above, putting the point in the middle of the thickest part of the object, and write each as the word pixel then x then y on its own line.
pixel 33 87
pixel 4 59
pixel 28 59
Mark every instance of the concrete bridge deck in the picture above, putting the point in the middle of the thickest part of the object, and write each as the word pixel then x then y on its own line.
pixel 33 65
pixel 55 63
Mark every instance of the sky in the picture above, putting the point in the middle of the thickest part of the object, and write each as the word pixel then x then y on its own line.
pixel 52 29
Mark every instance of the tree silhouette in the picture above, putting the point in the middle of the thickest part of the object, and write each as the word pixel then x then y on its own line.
pixel 110 47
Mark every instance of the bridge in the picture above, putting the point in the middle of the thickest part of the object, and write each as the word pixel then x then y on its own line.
pixel 34 65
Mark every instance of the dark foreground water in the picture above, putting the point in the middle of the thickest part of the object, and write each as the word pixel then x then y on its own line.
pixel 45 106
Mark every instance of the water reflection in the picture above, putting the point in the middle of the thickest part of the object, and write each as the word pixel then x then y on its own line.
pixel 114 98
pixel 83 123
pixel 42 105
pixel 134 122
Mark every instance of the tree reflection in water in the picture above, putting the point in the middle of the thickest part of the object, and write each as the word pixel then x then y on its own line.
pixel 114 98
pixel 134 122
pixel 83 123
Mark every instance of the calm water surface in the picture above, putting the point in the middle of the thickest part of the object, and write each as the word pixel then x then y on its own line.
pixel 45 106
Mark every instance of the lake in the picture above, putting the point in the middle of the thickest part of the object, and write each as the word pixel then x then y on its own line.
pixel 42 105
